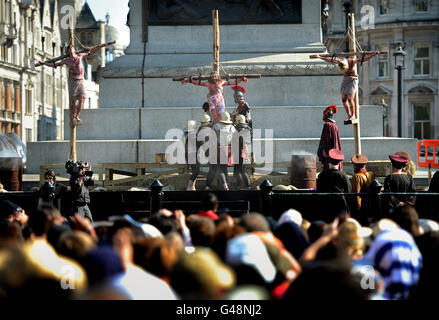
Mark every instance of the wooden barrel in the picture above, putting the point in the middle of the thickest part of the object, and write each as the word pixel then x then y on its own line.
pixel 303 171
pixel 11 173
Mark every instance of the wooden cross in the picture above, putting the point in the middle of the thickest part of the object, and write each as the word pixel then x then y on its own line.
pixel 72 153
pixel 352 54
pixel 216 54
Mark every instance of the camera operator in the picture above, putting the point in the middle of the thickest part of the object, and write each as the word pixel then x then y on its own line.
pixel 51 192
pixel 80 179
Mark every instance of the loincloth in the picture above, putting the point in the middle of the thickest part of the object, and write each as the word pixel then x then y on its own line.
pixel 77 88
pixel 349 85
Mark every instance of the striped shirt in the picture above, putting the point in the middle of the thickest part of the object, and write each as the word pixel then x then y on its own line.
pixel 395 255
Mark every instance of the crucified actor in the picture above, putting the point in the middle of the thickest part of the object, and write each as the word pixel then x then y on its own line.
pixel 349 86
pixel 77 92
pixel 216 101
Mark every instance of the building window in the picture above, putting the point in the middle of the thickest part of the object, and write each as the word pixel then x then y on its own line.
pixel 422 59
pixel 12 96
pixel 58 92
pixel 421 121
pixel 29 135
pixel 49 90
pixel 2 96
pixel 383 62
pixel 383 7
pixel 421 5
pixel 8 12
pixel 29 102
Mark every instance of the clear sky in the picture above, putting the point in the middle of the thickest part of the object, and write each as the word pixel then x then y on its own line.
pixel 118 10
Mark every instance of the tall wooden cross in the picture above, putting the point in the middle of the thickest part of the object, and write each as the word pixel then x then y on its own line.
pixel 353 53
pixel 216 54
pixel 72 153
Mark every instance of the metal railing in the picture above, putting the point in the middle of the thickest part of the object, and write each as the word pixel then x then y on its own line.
pixel 311 204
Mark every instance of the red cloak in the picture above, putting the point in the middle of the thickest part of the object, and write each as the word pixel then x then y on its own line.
pixel 330 139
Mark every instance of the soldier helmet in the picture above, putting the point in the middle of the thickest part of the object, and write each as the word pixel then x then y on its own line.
pixel 239 119
pixel 239 90
pixel 225 118
pixel 205 119
pixel 330 111
pixel 191 125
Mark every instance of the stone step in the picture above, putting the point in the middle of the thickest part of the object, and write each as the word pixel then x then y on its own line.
pixel 131 151
pixel 286 121
pixel 320 89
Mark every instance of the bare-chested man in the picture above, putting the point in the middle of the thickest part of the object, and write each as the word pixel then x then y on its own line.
pixel 216 97
pixel 349 86
pixel 77 92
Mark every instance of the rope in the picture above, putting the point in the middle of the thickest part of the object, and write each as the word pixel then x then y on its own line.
pixel 80 43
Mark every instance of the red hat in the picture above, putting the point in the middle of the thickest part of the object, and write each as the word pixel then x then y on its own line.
pixel 332 108
pixel 359 159
pixel 239 88
pixel 336 155
pixel 398 158
pixel 404 154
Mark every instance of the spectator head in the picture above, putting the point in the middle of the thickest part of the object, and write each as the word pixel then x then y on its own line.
pixel 102 265
pixel 209 202
pixel 254 222
pixel 202 231
pixel 156 255
pixel 41 219
pixel 202 275
pixel 325 281
pixel 349 239
pixel 408 219
pixel 50 176
pixel 10 234
pixel 291 215
pixel 10 211
pixel 176 241
pixel 75 244
pixel 249 257
pixel 164 223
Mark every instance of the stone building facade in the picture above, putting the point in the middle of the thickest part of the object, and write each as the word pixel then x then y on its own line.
pixel 90 32
pixel 384 25
pixel 31 99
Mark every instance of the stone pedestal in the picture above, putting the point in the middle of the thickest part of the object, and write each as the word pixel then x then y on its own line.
pixel 289 98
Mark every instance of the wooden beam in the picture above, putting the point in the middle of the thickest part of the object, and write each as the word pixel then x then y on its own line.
pixel 228 76
pixel 216 42
pixel 355 124
pixel 345 54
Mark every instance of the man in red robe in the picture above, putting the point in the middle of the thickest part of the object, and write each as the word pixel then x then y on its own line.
pixel 330 138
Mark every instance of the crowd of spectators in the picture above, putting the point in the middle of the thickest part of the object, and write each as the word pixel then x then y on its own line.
pixel 212 255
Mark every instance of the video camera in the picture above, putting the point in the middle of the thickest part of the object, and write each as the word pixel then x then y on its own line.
pixel 74 169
